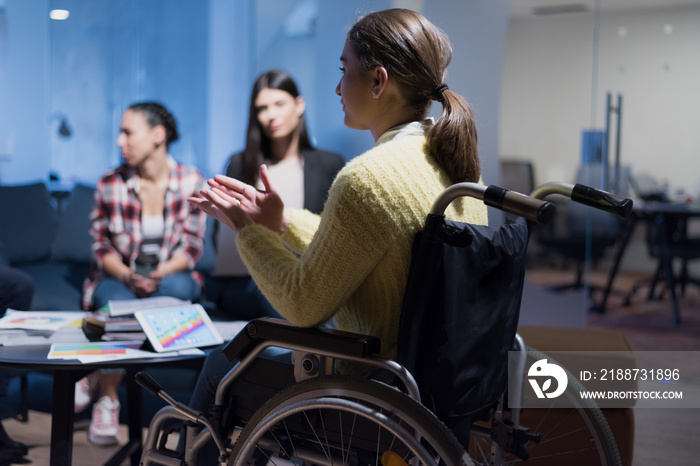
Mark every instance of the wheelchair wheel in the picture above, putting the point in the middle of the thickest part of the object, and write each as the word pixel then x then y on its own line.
pixel 579 435
pixel 346 421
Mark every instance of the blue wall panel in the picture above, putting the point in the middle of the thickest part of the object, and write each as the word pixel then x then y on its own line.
pixel 87 69
pixel 24 92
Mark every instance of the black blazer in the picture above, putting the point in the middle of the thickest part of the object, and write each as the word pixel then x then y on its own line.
pixel 320 168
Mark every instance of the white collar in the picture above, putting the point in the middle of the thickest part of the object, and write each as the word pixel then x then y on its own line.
pixel 414 128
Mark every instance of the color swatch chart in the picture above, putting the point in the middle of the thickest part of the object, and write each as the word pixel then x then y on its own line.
pixel 75 351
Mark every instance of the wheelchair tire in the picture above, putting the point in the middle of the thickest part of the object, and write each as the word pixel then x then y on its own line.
pixel 345 420
pixel 582 427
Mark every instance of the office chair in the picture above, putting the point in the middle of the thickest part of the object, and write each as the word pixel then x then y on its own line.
pixel 580 234
pixel 517 175
pixel 569 239
pixel 667 241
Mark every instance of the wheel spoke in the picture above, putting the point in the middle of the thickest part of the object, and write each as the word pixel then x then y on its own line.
pixel 327 454
pixel 372 419
pixel 323 426
pixel 291 439
pixel 352 436
pixel 376 456
pixel 264 452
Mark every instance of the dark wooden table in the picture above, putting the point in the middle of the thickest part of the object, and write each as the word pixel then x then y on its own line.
pixel 66 372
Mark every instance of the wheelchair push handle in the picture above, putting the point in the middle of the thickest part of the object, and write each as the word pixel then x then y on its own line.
pixel 602 200
pixel 515 203
pixel 587 195
pixel 535 210
pixel 148 382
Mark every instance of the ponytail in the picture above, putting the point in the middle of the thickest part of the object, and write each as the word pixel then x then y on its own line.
pixel 452 140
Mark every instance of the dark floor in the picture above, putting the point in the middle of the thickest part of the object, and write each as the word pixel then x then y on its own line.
pixel 648 325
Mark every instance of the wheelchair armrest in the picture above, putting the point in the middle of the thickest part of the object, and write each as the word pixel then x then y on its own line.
pixel 286 335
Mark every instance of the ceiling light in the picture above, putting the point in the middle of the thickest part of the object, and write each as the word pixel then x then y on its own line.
pixel 59 14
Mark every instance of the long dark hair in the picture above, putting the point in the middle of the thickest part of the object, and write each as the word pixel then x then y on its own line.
pixel 258 145
pixel 416 53
pixel 156 114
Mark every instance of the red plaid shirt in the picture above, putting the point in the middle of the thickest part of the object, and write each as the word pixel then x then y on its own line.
pixel 115 221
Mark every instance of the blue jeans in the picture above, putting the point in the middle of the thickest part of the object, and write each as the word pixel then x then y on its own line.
pixel 178 285
pixel 216 366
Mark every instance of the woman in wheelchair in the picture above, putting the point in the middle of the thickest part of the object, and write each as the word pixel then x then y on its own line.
pixel 350 263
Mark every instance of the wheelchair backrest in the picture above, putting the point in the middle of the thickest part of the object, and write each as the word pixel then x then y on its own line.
pixel 460 313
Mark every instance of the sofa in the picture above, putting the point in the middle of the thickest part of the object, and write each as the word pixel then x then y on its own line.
pixel 47 239
pixel 46 235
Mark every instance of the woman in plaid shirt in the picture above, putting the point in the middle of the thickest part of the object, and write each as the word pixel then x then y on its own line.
pixel 140 211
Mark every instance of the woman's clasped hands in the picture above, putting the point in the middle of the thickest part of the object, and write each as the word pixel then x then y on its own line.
pixel 238 205
pixel 142 286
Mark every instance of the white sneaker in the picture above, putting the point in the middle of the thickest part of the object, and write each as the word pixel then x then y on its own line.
pixel 84 390
pixel 104 427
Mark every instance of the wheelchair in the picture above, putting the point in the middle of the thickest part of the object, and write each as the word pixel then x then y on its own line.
pixel 269 411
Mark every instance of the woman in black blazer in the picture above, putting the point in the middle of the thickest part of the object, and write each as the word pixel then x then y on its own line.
pixel 277 137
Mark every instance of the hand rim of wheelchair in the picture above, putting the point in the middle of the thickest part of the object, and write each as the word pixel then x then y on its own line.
pixel 392 403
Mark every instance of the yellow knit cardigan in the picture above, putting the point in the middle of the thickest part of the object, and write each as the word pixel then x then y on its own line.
pixel 352 261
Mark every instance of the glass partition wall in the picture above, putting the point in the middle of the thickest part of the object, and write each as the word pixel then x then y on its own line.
pixel 549 100
pixel 603 92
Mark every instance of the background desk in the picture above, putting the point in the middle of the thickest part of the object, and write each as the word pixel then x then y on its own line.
pixel 659 214
pixel 66 373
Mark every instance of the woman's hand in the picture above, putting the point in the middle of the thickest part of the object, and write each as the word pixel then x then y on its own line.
pixel 142 286
pixel 177 263
pixel 237 204
pixel 222 207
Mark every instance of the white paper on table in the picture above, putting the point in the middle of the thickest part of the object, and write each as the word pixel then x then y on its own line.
pixel 129 354
pixel 40 320
pixel 77 350
pixel 136 354
pixel 70 334
pixel 18 337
